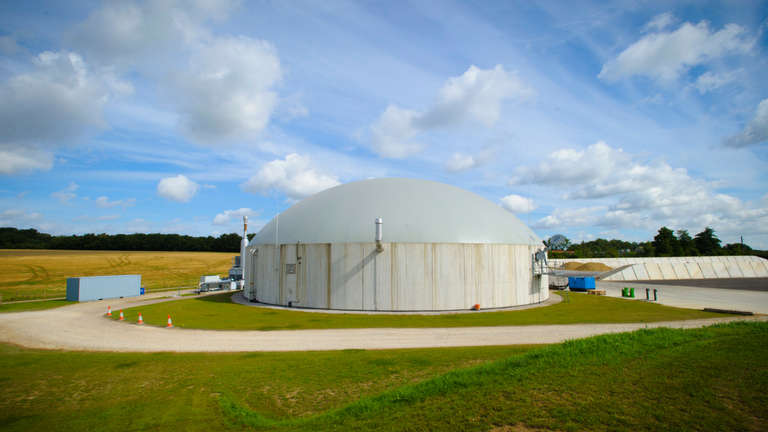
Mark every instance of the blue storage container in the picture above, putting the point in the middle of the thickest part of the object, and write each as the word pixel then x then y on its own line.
pixel 82 289
pixel 584 283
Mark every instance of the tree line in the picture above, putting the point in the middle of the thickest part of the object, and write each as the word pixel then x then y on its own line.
pixel 667 243
pixel 12 238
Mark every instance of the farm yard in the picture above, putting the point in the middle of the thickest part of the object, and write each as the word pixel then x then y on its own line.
pixel 31 274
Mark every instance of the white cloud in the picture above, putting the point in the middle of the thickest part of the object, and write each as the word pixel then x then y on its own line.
pixel 8 45
pixel 660 22
pixel 51 105
pixel 67 194
pixel 567 167
pixel 644 195
pixel 87 218
pixel 665 55
pixel 127 33
pixel 567 217
pixel 227 216
pixel 104 202
pixel 517 204
pixel 478 94
pixel 709 81
pixel 179 188
pixel 139 226
pixel 20 215
pixel 15 159
pixel 176 226
pixel 601 171
pixel 755 132
pixel 460 162
pixel 293 176
pixel 227 92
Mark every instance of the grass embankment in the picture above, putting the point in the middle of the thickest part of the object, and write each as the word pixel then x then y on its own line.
pixel 714 378
pixel 53 390
pixel 218 312
pixel 28 274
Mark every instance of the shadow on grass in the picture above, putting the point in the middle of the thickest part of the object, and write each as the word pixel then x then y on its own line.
pixel 216 298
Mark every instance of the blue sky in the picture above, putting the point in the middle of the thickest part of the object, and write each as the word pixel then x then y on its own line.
pixel 590 119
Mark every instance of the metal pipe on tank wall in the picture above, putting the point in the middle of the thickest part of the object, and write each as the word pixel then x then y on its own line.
pixel 244 242
pixel 379 235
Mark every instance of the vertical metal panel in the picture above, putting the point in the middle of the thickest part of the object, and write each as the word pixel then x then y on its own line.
pixel 448 282
pixel 288 281
pixel 338 269
pixel 353 276
pixel 369 275
pixel 314 275
pixel 267 285
pixel 427 294
pixel 503 276
pixel 73 289
pixel 483 273
pixel 104 287
pixel 383 262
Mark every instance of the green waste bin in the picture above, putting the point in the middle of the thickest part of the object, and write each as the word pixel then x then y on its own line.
pixel 632 293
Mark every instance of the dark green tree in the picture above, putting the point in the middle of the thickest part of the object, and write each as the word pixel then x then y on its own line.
pixel 665 242
pixel 687 245
pixel 707 242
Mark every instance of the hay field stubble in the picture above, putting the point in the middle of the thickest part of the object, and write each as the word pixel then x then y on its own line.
pixel 26 274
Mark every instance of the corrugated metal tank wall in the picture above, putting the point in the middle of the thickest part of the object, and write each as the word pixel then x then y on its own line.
pixel 405 276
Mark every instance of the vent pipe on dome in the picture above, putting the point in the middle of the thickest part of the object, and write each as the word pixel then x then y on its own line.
pixel 379 235
pixel 244 242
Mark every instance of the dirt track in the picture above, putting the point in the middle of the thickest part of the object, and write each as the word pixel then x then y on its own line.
pixel 82 327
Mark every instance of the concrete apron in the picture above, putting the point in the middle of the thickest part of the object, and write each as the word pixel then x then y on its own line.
pixel 693 297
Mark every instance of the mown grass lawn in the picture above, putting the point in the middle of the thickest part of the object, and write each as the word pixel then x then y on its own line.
pixel 708 379
pixel 55 390
pixel 219 313
pixel 32 306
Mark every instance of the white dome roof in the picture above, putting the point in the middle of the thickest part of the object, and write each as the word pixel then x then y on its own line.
pixel 414 211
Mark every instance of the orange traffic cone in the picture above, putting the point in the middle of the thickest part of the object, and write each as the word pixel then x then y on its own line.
pixel 141 321
pixel 170 324
pixel 109 310
pixel 122 318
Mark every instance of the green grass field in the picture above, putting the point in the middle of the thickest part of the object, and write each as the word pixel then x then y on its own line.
pixel 662 379
pixel 32 306
pixel 30 274
pixel 219 313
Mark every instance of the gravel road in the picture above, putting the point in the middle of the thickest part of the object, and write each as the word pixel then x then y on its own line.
pixel 82 327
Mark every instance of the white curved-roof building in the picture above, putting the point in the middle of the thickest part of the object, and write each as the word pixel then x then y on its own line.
pixel 444 248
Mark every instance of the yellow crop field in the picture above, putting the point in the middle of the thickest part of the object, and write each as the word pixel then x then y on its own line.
pixel 31 273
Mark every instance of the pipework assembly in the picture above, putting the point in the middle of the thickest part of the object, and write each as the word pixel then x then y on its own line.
pixel 379 235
